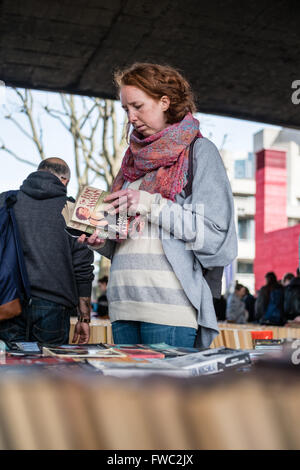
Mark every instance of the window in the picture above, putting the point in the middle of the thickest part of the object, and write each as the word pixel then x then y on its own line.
pixel 245 168
pixel 246 228
pixel 245 267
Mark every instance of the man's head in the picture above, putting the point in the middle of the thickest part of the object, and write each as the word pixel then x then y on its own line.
pixel 102 283
pixel 240 290
pixel 287 279
pixel 57 167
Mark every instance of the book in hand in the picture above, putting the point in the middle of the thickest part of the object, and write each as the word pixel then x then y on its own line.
pixel 83 351
pixel 89 212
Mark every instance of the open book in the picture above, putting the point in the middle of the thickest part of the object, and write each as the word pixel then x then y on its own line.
pixel 83 351
pixel 89 213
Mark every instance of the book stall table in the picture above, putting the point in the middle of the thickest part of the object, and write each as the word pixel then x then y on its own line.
pixel 81 397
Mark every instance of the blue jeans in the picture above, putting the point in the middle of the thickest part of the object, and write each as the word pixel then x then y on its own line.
pixel 137 332
pixel 42 321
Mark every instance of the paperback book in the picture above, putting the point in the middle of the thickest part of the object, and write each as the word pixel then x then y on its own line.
pixel 211 361
pixel 138 368
pixel 82 351
pixel 89 212
pixel 139 351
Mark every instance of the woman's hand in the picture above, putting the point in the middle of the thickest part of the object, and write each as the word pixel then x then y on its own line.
pixel 93 241
pixel 125 200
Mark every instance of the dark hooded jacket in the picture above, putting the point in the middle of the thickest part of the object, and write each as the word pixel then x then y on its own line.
pixel 59 268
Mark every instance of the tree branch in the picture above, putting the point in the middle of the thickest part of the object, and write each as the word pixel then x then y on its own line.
pixel 13 154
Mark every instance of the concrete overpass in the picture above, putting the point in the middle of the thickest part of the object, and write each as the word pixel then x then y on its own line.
pixel 240 57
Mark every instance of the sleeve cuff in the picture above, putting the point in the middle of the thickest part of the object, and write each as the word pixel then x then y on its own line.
pixel 84 289
pixel 94 248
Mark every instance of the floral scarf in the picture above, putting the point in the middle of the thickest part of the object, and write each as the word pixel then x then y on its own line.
pixel 162 158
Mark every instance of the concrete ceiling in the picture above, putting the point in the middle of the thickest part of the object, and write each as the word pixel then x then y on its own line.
pixel 240 57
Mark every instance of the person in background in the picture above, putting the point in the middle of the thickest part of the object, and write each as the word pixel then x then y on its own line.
pixel 60 271
pixel 287 278
pixel 292 298
pixel 102 308
pixel 249 301
pixel 269 302
pixel 235 309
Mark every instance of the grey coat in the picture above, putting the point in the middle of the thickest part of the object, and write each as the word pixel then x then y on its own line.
pixel 202 232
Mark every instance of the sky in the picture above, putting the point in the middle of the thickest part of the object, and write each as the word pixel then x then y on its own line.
pixel 59 143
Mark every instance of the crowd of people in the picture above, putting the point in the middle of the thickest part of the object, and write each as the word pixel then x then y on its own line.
pixel 277 302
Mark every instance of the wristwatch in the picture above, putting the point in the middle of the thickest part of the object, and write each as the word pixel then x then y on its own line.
pixel 83 320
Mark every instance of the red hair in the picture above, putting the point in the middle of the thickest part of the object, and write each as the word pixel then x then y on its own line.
pixel 157 81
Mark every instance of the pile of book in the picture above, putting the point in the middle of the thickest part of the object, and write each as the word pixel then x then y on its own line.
pixel 163 359
pixel 237 336
pixel 130 360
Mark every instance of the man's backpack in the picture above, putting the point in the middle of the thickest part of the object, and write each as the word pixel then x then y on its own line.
pixel 14 283
pixel 274 314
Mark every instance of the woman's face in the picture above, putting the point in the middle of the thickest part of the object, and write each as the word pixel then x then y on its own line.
pixel 148 116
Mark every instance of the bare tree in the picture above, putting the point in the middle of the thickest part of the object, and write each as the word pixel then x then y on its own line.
pixel 98 139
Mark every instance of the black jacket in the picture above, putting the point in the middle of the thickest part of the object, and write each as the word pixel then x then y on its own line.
pixel 59 268
pixel 292 299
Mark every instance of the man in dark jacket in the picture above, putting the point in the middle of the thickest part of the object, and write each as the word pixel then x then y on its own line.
pixel 292 298
pixel 60 270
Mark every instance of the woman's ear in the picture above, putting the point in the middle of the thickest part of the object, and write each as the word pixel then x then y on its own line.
pixel 165 102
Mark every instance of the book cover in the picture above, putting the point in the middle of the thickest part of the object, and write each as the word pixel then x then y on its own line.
pixel 262 334
pixel 84 351
pixel 138 368
pixel 29 360
pixel 172 351
pixel 89 213
pixel 138 350
pixel 211 360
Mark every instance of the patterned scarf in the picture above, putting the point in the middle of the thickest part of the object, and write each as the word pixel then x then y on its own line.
pixel 162 158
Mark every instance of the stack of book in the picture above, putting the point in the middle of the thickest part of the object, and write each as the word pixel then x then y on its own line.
pixel 194 363
pixel 239 336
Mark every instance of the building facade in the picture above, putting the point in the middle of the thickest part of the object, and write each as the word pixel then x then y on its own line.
pixel 266 190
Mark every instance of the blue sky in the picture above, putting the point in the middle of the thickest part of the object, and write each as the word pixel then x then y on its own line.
pixel 59 143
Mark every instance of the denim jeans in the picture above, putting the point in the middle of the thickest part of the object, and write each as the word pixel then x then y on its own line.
pixel 136 332
pixel 42 321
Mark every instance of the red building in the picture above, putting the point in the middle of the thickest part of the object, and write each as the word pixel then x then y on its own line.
pixel 276 244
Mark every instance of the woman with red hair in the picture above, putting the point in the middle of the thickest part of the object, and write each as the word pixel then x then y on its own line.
pixel 172 179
